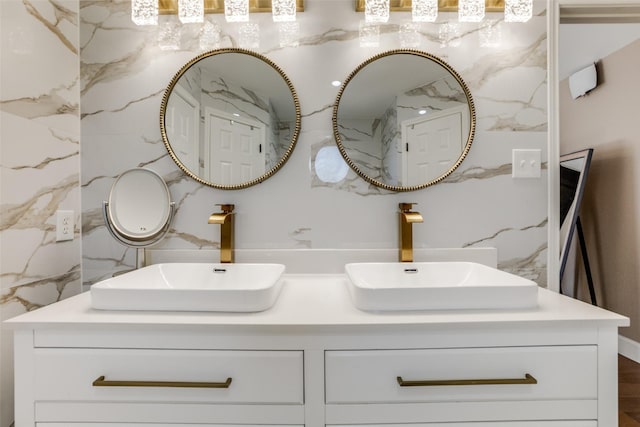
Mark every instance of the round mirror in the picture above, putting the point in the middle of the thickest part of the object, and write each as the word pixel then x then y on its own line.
pixel 404 120
pixel 139 209
pixel 230 118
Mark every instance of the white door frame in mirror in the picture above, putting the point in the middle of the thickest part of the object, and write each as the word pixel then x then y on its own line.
pixel 590 11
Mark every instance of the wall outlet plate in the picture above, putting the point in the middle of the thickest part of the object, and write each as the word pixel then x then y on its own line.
pixel 526 163
pixel 64 225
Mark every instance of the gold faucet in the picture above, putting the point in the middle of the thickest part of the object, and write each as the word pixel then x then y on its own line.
pixel 407 217
pixel 225 219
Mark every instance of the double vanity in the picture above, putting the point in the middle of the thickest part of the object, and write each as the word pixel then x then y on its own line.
pixel 313 358
pixel 444 343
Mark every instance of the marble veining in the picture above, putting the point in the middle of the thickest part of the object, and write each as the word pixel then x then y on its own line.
pixel 98 102
pixel 124 74
pixel 61 14
pixel 477 172
pixel 39 163
pixel 532 267
pixel 30 296
pixel 298 236
pixel 123 107
pixel 504 230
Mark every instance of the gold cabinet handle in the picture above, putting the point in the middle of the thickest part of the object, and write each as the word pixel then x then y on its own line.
pixel 528 379
pixel 102 382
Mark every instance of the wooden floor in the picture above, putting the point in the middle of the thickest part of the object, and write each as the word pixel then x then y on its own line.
pixel 629 392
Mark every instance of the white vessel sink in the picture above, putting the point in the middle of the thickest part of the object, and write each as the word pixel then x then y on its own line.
pixel 437 286
pixel 192 287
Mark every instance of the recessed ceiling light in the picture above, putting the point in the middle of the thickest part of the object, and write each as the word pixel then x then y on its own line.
pixel 336 83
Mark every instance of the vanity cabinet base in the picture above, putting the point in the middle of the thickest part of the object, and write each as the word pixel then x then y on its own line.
pixel 315 361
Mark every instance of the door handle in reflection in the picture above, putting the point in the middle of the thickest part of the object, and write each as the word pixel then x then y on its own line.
pixel 102 382
pixel 528 379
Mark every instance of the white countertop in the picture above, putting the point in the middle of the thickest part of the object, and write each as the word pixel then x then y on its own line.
pixel 314 302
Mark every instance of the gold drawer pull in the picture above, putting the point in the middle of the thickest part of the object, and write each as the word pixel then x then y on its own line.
pixel 528 379
pixel 101 382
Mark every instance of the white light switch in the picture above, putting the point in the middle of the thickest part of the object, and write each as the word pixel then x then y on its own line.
pixel 526 164
pixel 64 225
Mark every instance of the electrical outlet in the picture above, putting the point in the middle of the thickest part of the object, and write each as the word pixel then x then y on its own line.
pixel 64 225
pixel 525 164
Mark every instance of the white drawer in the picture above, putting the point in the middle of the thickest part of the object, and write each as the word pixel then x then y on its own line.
pixel 271 377
pixel 373 376
pixel 158 425
pixel 474 424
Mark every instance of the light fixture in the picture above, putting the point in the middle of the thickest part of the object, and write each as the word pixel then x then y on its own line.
pixel 249 36
pixel 283 10
pixel 209 35
pixel 518 10
pixel 369 34
pixel 424 10
pixel 409 35
pixel 190 11
pixel 376 10
pixel 470 10
pixel 144 12
pixel 289 34
pixel 490 34
pixel 449 34
pixel 169 33
pixel 236 10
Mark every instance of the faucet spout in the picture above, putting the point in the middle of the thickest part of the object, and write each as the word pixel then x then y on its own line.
pixel 407 219
pixel 226 221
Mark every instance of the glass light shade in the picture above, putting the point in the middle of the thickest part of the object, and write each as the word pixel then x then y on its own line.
pixel 236 10
pixel 424 10
pixel 470 10
pixel 169 34
pixel 376 10
pixel 490 34
pixel 283 10
pixel 449 34
pixel 289 33
pixel 144 12
pixel 518 10
pixel 369 34
pixel 209 35
pixel 190 11
pixel 409 35
pixel 249 37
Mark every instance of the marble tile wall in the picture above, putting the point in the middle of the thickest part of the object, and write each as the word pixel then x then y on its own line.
pixel 39 163
pixel 124 74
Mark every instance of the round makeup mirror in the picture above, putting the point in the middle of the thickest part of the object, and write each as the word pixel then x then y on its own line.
pixel 404 120
pixel 139 210
pixel 230 118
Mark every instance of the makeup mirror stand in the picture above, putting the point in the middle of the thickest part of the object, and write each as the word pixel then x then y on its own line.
pixel 139 211
pixel 141 246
